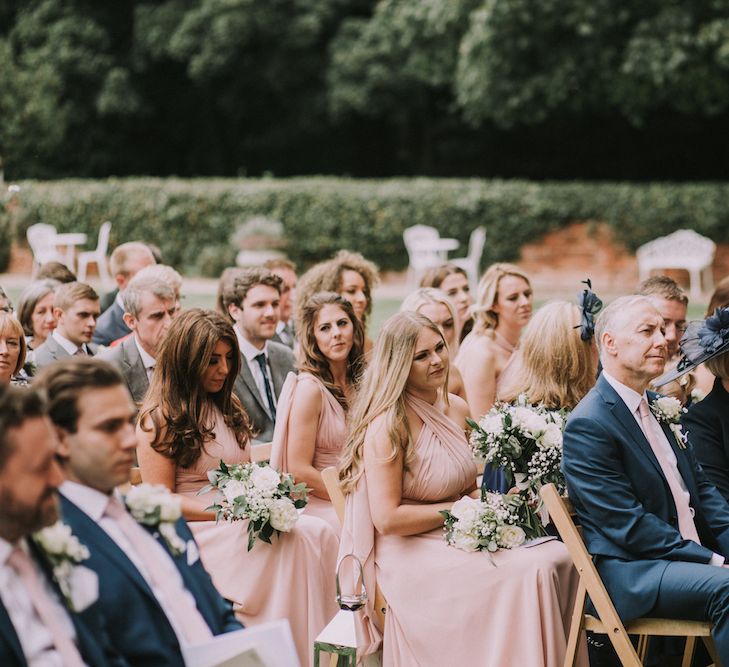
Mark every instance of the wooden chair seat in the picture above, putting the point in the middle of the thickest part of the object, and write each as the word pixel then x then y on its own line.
pixel 607 620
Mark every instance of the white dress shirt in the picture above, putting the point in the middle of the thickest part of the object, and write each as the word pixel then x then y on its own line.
pixel 632 400
pixel 93 503
pixel 148 361
pixel 250 352
pixel 35 639
pixel 67 345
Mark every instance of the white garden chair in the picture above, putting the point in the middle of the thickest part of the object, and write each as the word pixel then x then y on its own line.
pixel 421 242
pixel 471 263
pixel 42 241
pixel 96 256
pixel 684 249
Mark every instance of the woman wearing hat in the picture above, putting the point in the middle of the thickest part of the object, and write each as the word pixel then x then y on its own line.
pixel 707 422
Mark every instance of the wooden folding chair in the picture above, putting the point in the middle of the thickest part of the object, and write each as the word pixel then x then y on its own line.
pixel 330 476
pixel 607 621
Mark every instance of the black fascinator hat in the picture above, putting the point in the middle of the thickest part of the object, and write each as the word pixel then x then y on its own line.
pixel 703 340
pixel 590 305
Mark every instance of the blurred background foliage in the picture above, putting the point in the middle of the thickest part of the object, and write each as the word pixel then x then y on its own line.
pixel 555 89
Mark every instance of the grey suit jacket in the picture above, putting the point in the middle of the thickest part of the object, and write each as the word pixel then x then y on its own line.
pixel 52 351
pixel 281 361
pixel 126 358
pixel 111 326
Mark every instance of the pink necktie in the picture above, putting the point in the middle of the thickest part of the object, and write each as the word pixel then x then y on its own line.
pixel 187 616
pixel 81 352
pixel 20 562
pixel 686 525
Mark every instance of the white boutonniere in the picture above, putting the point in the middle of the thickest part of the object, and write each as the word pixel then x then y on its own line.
pixel 154 505
pixel 668 410
pixel 79 584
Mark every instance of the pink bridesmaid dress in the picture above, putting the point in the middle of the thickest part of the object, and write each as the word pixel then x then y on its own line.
pixel 330 436
pixel 446 606
pixel 292 578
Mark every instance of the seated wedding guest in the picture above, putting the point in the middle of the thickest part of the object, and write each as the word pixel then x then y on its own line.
pixel 12 350
pixel 153 597
pixel 76 308
pixel 55 271
pixel 150 304
pixel 253 302
pixel 657 528
pixel 453 280
pixel 719 299
pixel 438 308
pixel 503 308
pixel 37 627
pixel 311 417
pixel 125 262
pixel 707 421
pixel 190 421
pixel 286 270
pixel 6 305
pixel 348 274
pixel 407 459
pixel 672 303
pixel 35 311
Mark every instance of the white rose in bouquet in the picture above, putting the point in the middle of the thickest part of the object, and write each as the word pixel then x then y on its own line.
pixel 283 515
pixel 265 480
pixel 552 437
pixel 492 423
pixel 465 541
pixel 233 489
pixel 466 509
pixel 511 536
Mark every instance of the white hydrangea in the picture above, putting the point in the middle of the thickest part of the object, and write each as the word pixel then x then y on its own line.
pixel 283 515
pixel 511 536
pixel 492 423
pixel 552 437
pixel 265 480
pixel 233 489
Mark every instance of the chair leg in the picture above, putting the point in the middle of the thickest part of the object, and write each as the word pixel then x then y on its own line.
pixel 642 648
pixel 688 652
pixel 577 623
pixel 711 648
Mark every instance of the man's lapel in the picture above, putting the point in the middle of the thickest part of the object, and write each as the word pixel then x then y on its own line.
pixel 56 349
pixel 683 461
pixel 247 377
pixel 137 374
pixel 278 372
pixel 9 636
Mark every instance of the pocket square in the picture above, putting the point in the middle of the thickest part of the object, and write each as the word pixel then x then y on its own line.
pixel 193 554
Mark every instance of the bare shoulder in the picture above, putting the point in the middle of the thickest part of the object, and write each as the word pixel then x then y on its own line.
pixel 476 348
pixel 308 392
pixel 458 409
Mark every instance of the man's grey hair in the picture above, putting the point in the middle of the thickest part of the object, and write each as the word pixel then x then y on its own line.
pixel 147 281
pixel 613 317
pixel 166 273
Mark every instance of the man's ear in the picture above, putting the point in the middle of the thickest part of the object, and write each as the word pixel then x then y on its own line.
pixel 63 450
pixel 234 311
pixel 608 343
pixel 130 321
pixel 57 313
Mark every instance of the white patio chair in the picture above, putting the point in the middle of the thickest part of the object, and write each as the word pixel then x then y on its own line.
pixel 471 262
pixel 97 256
pixel 684 249
pixel 420 242
pixel 42 241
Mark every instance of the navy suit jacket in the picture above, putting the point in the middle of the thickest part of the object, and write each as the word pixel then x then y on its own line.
pixel 110 326
pixel 92 638
pixel 625 506
pixel 707 425
pixel 138 627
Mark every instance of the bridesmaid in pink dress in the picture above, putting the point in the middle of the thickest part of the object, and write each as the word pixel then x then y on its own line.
pixel 310 417
pixel 407 459
pixel 190 421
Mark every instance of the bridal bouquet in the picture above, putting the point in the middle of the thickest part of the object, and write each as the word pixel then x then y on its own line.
pixel 526 442
pixel 492 523
pixel 257 492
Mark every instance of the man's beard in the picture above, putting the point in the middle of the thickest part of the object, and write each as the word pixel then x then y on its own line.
pixel 18 519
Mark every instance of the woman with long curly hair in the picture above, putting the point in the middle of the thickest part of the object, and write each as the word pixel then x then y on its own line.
pixel 311 417
pixel 348 274
pixel 190 421
pixel 406 460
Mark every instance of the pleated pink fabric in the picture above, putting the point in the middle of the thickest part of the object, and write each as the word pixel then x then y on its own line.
pixel 291 578
pixel 330 436
pixel 446 606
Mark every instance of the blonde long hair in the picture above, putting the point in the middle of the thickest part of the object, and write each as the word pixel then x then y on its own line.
pixel 382 392
pixel 485 318
pixel 553 365
pixel 427 296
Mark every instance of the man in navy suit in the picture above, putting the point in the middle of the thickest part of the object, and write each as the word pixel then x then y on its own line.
pixel 658 530
pixel 36 626
pixel 154 592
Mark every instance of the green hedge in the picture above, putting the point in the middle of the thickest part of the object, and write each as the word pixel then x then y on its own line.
pixel 192 220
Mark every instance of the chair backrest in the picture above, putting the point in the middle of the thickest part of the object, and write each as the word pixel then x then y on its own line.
pixel 102 245
pixel 419 235
pixel 684 243
pixel 476 242
pixel 41 237
pixel 582 561
pixel 330 477
pixel 260 453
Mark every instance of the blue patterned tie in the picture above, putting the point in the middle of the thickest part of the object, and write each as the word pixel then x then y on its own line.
pixel 261 359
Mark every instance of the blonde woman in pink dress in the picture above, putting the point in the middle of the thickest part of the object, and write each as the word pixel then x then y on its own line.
pixel 190 421
pixel 407 459
pixel 311 416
